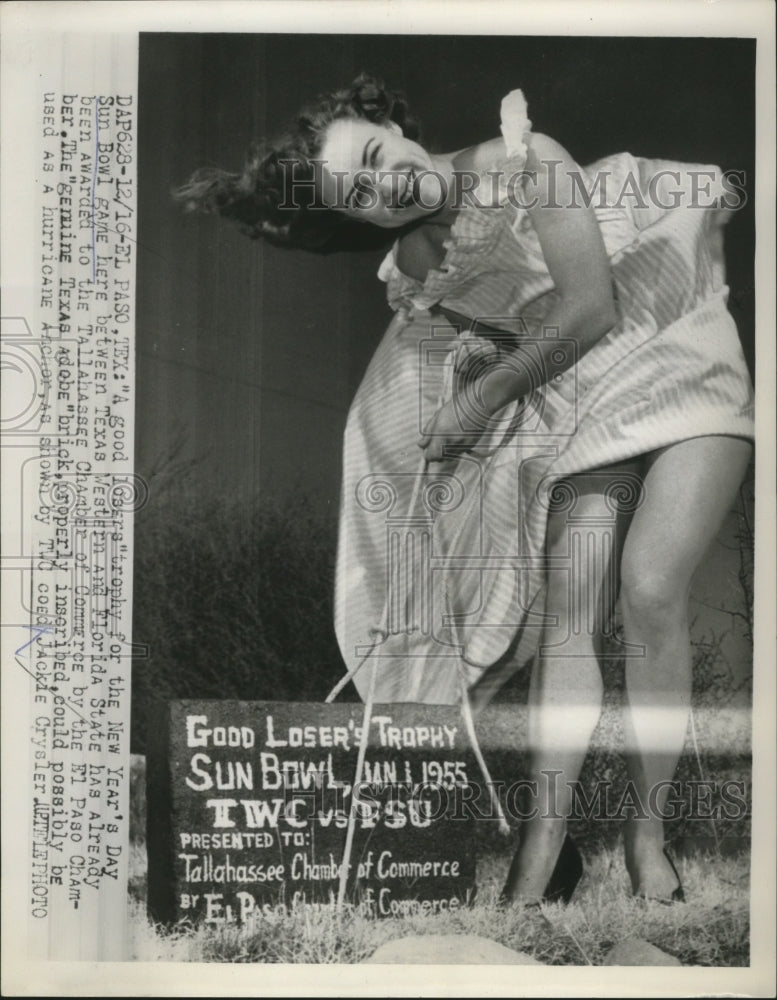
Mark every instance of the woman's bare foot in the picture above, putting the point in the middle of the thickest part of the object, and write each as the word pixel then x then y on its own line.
pixel 653 876
pixel 534 861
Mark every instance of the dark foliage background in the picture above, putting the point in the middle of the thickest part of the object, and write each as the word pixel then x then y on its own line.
pixel 236 602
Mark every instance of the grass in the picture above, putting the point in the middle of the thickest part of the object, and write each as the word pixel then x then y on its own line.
pixel 712 929
pixel 235 596
pixel 231 597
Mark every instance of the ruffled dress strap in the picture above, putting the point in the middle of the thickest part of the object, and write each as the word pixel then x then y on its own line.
pixel 515 125
pixel 516 128
pixel 401 289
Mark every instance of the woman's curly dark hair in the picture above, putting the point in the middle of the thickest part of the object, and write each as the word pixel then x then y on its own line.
pixel 255 198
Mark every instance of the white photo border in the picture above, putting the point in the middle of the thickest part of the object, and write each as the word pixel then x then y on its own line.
pixel 22 23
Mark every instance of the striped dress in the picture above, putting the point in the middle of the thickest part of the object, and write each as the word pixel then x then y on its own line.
pixel 441 571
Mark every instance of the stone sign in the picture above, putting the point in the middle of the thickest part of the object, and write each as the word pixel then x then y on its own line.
pixel 249 805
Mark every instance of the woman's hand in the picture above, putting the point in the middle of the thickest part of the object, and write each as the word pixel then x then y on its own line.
pixel 453 430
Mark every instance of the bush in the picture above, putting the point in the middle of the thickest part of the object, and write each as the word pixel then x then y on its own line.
pixel 233 600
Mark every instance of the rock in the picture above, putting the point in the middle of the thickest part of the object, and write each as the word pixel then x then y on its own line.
pixel 635 951
pixel 447 949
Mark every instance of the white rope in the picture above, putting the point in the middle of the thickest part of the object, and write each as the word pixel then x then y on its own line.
pixel 365 738
pixel 702 774
pixel 350 674
pixel 466 711
pixel 382 629
pixel 466 708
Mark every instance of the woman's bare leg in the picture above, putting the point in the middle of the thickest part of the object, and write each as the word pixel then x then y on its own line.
pixel 565 694
pixel 689 487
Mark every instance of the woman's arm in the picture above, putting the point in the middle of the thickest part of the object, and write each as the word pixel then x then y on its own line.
pixel 584 310
pixel 576 258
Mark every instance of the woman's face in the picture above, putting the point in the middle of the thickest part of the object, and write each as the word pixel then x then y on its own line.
pixel 374 174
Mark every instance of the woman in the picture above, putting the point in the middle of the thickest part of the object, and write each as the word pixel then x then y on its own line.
pixel 559 411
